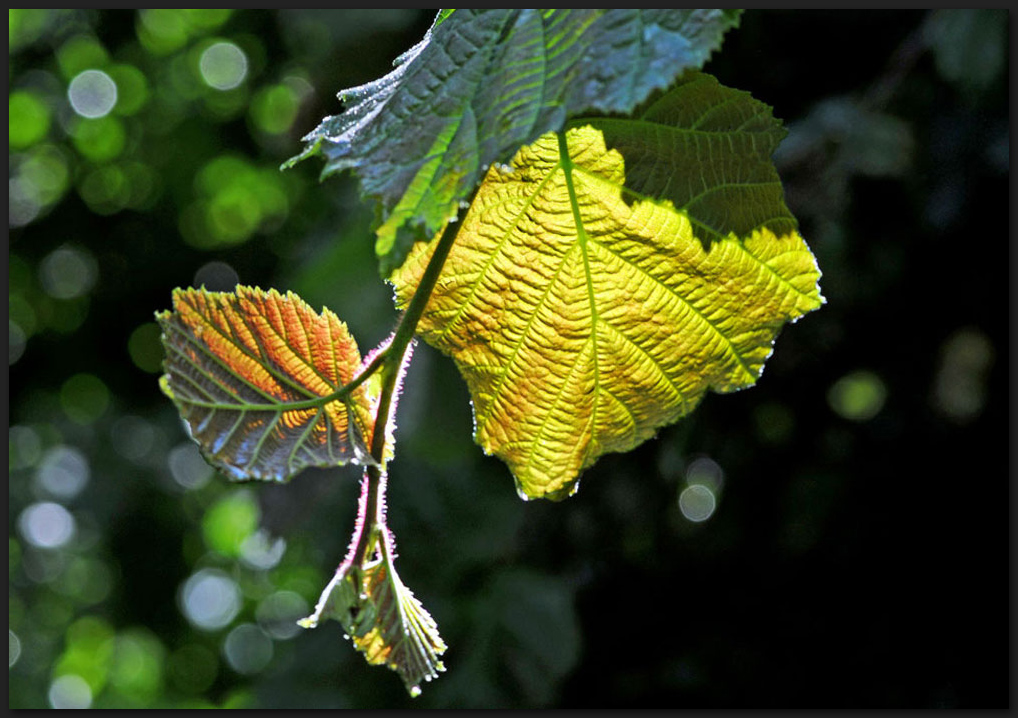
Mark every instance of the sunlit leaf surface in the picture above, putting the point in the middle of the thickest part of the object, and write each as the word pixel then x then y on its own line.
pixel 484 82
pixel 380 614
pixel 589 302
pixel 251 373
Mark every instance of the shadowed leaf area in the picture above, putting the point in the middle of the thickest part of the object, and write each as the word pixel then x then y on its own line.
pixel 257 378
pixel 484 82
pixel 586 309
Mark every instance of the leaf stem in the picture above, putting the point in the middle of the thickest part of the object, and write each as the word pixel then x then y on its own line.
pixel 392 358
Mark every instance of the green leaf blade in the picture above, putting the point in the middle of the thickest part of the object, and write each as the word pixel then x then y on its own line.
pixel 257 378
pixel 481 84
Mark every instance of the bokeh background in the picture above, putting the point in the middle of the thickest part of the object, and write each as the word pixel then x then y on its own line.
pixel 836 536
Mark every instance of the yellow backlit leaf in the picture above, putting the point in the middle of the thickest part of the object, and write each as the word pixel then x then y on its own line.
pixel 258 378
pixel 584 315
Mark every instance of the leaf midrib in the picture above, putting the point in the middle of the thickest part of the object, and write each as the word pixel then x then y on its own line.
pixel 566 164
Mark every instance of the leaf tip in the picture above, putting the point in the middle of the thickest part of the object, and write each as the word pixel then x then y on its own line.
pixel 560 492
pixel 164 385
pixel 310 150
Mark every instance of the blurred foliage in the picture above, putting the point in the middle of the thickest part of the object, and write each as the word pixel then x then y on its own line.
pixel 842 539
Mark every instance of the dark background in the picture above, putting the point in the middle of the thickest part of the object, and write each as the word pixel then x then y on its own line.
pixel 858 553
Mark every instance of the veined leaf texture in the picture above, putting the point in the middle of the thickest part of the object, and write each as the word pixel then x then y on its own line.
pixel 256 376
pixel 591 299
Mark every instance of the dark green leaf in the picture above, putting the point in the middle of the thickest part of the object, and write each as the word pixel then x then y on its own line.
pixel 481 84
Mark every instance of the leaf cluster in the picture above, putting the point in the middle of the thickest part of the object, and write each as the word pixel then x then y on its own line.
pixel 625 248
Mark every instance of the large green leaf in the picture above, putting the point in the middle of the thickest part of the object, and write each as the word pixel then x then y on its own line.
pixel 591 298
pixel 481 84
pixel 259 379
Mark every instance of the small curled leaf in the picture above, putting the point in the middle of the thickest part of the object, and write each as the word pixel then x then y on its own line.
pixel 381 616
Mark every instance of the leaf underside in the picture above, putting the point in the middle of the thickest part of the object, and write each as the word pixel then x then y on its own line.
pixel 481 84
pixel 585 318
pixel 250 372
